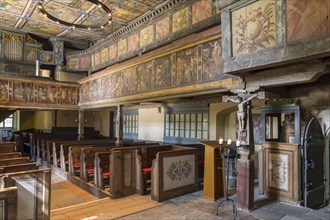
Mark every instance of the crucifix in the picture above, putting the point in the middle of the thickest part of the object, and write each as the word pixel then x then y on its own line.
pixel 245 165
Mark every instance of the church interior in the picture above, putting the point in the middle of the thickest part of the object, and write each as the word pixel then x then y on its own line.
pixel 165 109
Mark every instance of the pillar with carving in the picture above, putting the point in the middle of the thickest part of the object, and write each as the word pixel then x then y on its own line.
pixel 119 126
pixel 81 125
pixel 245 165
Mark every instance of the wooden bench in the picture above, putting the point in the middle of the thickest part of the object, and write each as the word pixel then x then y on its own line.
pixel 9 206
pixel 19 167
pixel 58 151
pixel 147 156
pixel 12 161
pixel 7 147
pixel 87 160
pixel 64 149
pixel 102 169
pixel 10 155
pixel 174 173
pixel 33 194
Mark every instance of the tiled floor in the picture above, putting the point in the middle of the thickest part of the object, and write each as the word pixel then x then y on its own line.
pixel 194 206
pixel 191 206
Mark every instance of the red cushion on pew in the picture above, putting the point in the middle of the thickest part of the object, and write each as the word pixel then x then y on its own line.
pixel 90 170
pixel 106 174
pixel 147 170
pixel 76 165
pixel 201 162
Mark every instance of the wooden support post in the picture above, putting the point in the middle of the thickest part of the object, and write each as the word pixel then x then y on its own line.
pixel 119 126
pixel 81 122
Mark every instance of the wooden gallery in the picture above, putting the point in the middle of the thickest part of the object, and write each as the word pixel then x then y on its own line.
pixel 164 109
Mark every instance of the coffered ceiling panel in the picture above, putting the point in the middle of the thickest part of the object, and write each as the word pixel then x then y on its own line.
pixel 26 16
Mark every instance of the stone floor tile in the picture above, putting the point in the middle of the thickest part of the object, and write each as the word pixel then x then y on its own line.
pixel 287 209
pixel 321 213
pixel 310 216
pixel 289 217
pixel 262 213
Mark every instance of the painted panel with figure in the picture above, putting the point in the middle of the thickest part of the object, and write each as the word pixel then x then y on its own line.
pixel 145 72
pixel 130 83
pixel 163 28
pixel 162 75
pixel 47 94
pixel 253 27
pixel 212 60
pixel 133 42
pixel 115 84
pixel 4 90
pixel 180 20
pixel 85 62
pixel 186 67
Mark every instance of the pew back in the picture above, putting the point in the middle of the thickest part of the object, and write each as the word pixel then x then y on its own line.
pixel 7 147
pixel 10 155
pixel 12 161
pixel 19 167
pixel 8 198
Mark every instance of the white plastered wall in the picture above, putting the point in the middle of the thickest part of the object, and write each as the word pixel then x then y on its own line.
pixel 151 124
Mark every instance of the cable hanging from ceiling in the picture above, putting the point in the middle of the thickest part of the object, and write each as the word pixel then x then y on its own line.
pixel 99 4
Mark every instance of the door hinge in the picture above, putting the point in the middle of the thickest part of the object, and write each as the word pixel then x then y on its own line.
pixel 309 164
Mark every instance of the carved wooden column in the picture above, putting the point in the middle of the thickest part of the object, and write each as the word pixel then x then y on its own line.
pixel 245 165
pixel 119 126
pixel 81 125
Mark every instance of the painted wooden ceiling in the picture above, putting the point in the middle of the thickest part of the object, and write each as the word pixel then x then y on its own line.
pixel 25 16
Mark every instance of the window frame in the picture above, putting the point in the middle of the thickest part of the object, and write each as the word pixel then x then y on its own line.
pixel 130 124
pixel 3 123
pixel 194 120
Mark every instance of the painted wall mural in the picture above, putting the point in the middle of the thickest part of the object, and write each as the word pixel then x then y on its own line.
pixel 180 20
pixel 161 29
pixel 15 92
pixel 197 64
pixel 307 18
pixel 253 27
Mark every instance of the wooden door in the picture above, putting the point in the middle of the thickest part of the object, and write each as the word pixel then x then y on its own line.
pixel 313 165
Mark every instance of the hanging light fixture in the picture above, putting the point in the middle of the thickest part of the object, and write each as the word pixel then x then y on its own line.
pixel 82 26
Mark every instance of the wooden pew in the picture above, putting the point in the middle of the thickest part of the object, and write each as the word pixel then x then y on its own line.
pixel 147 156
pixel 64 149
pixel 101 169
pixel 87 160
pixel 10 155
pixel 12 161
pixel 74 155
pixel 33 195
pixel 174 173
pixel 19 167
pixel 87 156
pixel 9 207
pixel 201 156
pixel 7 147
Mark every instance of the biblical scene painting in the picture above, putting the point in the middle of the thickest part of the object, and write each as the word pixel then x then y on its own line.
pixel 212 60
pixel 115 84
pixel 189 66
pixel 69 95
pixel 23 92
pixel 253 27
pixel 130 81
pixel 47 94
pixel 186 67
pixel 4 90
pixel 162 74
pixel 145 72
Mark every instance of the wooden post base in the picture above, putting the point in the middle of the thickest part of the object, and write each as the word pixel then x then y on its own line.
pixel 245 184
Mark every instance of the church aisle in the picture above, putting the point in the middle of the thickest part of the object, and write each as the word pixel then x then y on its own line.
pixel 64 193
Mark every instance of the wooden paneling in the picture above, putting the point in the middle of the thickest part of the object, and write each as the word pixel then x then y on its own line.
pixel 281 171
